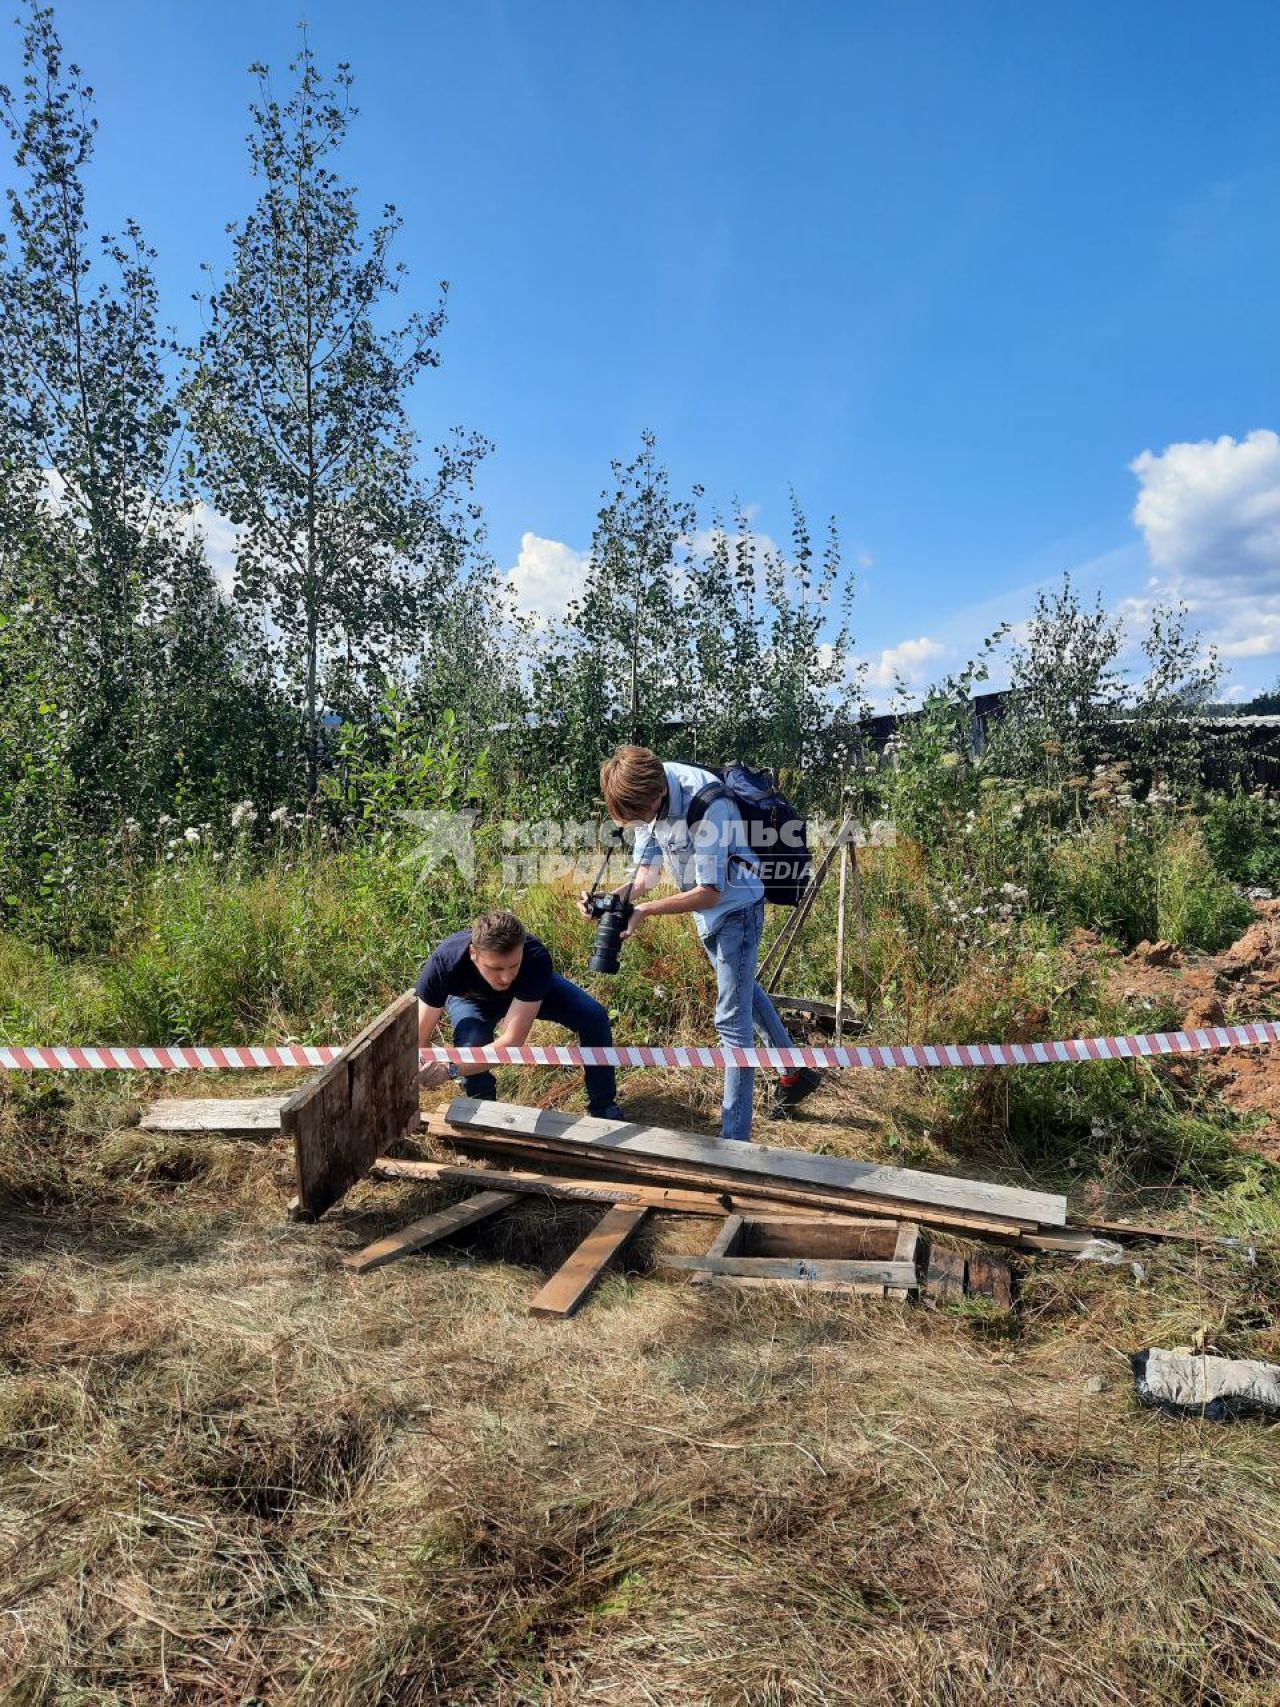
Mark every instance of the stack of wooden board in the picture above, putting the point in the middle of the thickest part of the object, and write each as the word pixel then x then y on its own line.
pixel 660 1156
pixel 787 1217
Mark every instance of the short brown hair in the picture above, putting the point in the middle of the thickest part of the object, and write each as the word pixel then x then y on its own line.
pixel 632 782
pixel 497 933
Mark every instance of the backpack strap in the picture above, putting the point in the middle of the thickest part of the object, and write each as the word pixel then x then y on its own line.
pixel 707 797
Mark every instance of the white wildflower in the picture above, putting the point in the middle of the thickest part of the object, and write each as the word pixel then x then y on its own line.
pixel 243 815
pixel 280 815
pixel 192 836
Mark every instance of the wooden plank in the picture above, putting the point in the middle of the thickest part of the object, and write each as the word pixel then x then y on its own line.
pixel 355 1107
pixel 551 1154
pixel 253 1115
pixel 725 1243
pixel 835 1288
pixel 991 1277
pixel 614 1164
pixel 797 1268
pixel 574 1279
pixel 596 1189
pixel 946 1275
pixel 758 1161
pixel 906 1249
pixel 430 1230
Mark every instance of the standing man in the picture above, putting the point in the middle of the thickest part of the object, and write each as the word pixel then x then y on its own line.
pixel 497 975
pixel 712 864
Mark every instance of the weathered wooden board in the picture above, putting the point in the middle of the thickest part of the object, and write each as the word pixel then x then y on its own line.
pixel 946 1274
pixel 724 1244
pixel 430 1230
pixel 512 1150
pixel 991 1277
pixel 570 1284
pixel 906 1249
pixel 598 1190
pixel 828 1288
pixel 798 1268
pixel 758 1161
pixel 364 1100
pixel 259 1116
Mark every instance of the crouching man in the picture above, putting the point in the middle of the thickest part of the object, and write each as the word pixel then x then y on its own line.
pixel 494 980
pixel 712 864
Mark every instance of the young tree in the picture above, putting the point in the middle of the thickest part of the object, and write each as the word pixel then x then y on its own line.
pixel 298 404
pixel 1066 691
pixel 94 555
pixel 1182 678
pixel 810 691
pixel 620 666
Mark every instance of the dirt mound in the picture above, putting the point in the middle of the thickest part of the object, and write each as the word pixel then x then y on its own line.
pixel 1196 990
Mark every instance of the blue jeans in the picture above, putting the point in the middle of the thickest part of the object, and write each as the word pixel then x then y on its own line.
pixel 474 1022
pixel 742 1007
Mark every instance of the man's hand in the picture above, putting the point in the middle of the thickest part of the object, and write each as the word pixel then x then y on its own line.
pixel 639 913
pixel 433 1074
pixel 584 906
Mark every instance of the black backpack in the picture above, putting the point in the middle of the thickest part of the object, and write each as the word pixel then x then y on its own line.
pixel 776 833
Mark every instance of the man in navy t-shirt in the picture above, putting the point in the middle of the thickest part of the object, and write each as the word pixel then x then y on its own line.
pixel 496 974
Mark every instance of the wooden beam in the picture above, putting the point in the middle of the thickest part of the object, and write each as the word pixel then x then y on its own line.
pixel 798 1268
pixel 430 1230
pixel 759 1162
pixel 725 1243
pixel 833 1288
pixel 252 1116
pixel 595 1188
pixel 573 1280
pixel 906 1249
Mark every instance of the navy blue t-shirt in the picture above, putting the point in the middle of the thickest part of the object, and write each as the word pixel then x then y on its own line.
pixel 451 972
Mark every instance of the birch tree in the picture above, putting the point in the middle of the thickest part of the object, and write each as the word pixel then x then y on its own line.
pixel 298 399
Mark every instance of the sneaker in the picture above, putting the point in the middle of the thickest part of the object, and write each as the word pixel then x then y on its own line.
pixel 791 1089
pixel 613 1112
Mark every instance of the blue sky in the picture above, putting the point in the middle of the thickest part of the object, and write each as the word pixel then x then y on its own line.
pixel 947 268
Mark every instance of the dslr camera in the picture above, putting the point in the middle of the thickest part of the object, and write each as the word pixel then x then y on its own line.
pixel 613 913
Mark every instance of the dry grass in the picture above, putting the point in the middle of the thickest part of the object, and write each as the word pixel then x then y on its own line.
pixel 231 1472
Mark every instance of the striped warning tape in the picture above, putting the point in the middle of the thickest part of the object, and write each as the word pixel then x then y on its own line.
pixel 103 1057
pixel 100 1057
pixel 873 1055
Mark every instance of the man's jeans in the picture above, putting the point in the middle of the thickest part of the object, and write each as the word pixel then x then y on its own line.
pixel 742 1007
pixel 474 1023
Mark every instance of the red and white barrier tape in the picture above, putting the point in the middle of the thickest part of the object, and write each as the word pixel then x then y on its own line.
pixel 887 1055
pixel 874 1055
pixel 97 1058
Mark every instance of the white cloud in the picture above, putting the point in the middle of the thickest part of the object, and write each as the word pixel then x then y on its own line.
pixel 1210 515
pixel 1212 509
pixel 910 660
pixel 220 540
pixel 546 576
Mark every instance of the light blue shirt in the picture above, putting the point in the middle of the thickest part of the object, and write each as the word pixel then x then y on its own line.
pixel 702 854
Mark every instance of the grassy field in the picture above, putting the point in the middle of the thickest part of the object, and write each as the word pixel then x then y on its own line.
pixel 230 1472
pixel 234 1473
